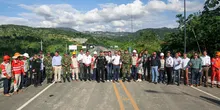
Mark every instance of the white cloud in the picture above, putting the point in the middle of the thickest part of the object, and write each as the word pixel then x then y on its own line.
pixel 107 17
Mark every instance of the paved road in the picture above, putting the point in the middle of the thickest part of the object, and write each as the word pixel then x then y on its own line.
pixel 113 96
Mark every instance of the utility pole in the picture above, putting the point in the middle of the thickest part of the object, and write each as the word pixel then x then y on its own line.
pixel 184 26
pixel 41 45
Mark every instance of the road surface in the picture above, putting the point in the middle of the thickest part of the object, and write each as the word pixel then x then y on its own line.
pixel 113 96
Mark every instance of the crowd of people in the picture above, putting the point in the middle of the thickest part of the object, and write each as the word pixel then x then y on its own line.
pixel 108 67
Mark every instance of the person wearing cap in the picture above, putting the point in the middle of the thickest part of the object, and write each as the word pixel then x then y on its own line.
pixel 109 66
pixel 36 66
pixel 116 61
pixel 169 67
pixel 177 65
pixel 126 66
pixel 94 66
pixel 57 67
pixel 216 69
pixel 134 64
pixel 162 69
pixel 81 66
pixel 87 60
pixel 17 70
pixel 101 64
pixel 48 67
pixel 206 63
pixel 6 75
pixel 185 68
pixel 74 67
pixel 196 66
pixel 25 64
pixel 66 62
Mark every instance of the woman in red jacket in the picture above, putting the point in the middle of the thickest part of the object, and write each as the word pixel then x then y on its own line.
pixel 17 70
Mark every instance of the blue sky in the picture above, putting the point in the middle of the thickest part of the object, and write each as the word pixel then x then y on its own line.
pixel 95 15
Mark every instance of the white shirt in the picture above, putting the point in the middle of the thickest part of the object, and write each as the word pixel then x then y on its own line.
pixel 87 59
pixel 74 62
pixel 116 60
pixel 109 59
pixel 169 62
pixel 206 60
pixel 185 62
pixel 177 63
pixel 80 57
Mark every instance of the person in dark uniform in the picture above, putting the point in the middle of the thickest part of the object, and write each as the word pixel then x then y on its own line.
pixel 101 63
pixel 36 66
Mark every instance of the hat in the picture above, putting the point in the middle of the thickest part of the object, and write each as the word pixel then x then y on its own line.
pixel 26 55
pixel 16 55
pixel 74 53
pixel 6 57
pixel 95 52
pixel 134 51
pixel 161 54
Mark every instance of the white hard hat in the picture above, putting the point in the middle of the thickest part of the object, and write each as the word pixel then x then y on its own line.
pixel 95 52
pixel 26 55
pixel 134 51
pixel 161 54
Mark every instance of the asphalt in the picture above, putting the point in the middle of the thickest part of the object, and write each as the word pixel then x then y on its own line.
pixel 113 96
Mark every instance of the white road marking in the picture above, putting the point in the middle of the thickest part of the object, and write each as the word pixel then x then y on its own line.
pixel 29 101
pixel 206 93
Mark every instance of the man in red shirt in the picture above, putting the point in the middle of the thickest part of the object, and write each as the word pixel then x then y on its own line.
pixel 216 70
pixel 6 74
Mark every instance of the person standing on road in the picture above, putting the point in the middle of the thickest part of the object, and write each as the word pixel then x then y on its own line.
pixel 126 66
pixel 17 71
pixel 48 67
pixel 36 66
pixel 162 68
pixel 155 66
pixel 146 66
pixel 101 64
pixel 87 60
pixel 109 66
pixel 134 63
pixel 177 63
pixel 66 62
pixel 24 77
pixel 216 69
pixel 6 75
pixel 75 67
pixel 140 69
pixel 206 62
pixel 116 61
pixel 81 66
pixel 57 67
pixel 94 66
pixel 185 68
pixel 196 65
pixel 169 67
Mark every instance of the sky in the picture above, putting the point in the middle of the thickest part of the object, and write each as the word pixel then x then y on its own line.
pixel 96 15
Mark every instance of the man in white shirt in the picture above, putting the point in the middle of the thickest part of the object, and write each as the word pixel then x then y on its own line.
pixel 74 67
pixel 109 66
pixel 206 62
pixel 116 61
pixel 169 67
pixel 185 68
pixel 177 64
pixel 81 66
pixel 87 60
